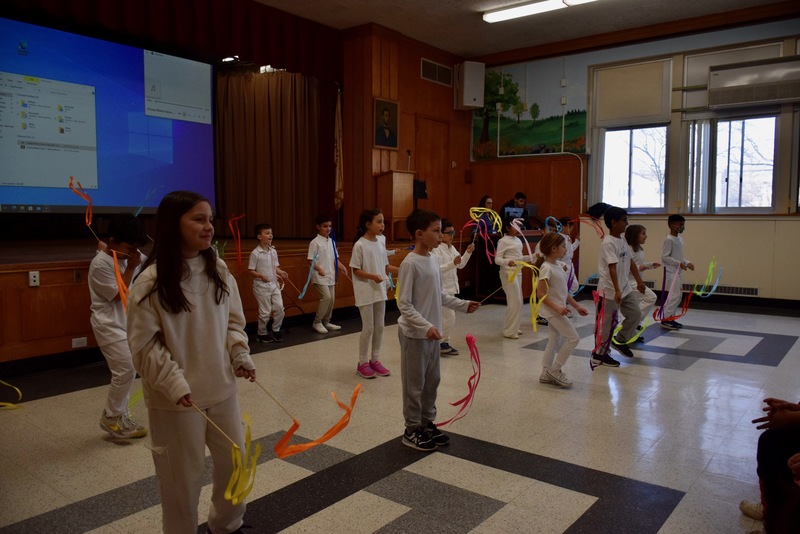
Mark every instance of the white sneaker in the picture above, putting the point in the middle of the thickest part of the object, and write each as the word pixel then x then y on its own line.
pixel 512 336
pixel 544 378
pixel 559 378
pixel 331 326
pixel 319 328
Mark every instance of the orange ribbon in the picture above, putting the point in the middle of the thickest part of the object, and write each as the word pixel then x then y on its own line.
pixel 123 288
pixel 284 450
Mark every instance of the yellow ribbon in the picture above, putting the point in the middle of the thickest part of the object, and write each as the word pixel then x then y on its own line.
pixel 11 405
pixel 497 222
pixel 244 464
pixel 535 301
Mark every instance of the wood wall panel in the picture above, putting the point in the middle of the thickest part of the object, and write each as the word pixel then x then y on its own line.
pixel 44 320
pixel 59 310
pixel 457 183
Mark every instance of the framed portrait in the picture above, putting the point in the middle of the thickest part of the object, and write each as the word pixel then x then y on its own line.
pixel 386 119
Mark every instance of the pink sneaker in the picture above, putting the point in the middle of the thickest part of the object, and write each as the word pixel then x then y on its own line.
pixel 365 370
pixel 379 368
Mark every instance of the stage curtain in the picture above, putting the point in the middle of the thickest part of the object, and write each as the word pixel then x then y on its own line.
pixel 267 150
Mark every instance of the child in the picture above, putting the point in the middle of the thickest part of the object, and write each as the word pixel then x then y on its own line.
pixel 553 284
pixel 449 261
pixel 509 251
pixel 420 302
pixel 370 264
pixel 109 322
pixel 186 331
pixel 567 227
pixel 324 276
pixel 636 235
pixel 264 268
pixel 674 262
pixel 614 264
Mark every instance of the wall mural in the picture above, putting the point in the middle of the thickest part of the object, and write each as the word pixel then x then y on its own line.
pixel 523 112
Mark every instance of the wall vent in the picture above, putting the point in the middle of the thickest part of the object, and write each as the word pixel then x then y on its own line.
pixel 729 290
pixel 436 72
pixel 721 290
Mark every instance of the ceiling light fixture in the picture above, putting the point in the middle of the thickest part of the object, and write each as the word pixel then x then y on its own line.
pixel 531 8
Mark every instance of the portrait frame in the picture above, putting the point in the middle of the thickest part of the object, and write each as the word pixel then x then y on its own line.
pixel 380 138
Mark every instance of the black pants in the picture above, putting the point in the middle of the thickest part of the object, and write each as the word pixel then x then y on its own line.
pixel 780 493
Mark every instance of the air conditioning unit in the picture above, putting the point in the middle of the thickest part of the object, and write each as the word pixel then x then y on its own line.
pixel 766 81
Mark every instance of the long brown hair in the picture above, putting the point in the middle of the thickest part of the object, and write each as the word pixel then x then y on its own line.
pixel 550 241
pixel 167 256
pixel 632 234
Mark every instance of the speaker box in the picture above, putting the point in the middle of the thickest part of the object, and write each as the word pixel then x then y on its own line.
pixel 469 85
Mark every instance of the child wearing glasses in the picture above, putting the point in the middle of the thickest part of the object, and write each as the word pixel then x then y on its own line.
pixel 450 260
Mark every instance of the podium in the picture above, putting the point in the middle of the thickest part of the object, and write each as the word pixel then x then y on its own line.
pixel 395 197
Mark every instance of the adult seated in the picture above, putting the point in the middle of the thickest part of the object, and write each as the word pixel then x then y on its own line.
pixel 517 208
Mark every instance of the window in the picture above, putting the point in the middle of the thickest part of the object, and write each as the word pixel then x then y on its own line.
pixel 633 167
pixel 732 164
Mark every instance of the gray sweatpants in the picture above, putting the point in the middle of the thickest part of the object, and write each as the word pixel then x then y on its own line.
pixel 420 375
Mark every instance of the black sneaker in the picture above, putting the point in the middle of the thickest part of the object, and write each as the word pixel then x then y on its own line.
pixel 267 338
pixel 606 360
pixel 419 439
pixel 676 324
pixel 439 438
pixel 668 325
pixel 541 321
pixel 277 336
pixel 623 348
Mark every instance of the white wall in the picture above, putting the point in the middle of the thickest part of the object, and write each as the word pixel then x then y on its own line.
pixel 753 251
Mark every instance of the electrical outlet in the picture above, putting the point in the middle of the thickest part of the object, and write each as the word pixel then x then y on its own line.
pixel 78 342
pixel 33 278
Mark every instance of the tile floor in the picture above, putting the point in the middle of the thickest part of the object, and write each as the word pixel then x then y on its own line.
pixel 663 444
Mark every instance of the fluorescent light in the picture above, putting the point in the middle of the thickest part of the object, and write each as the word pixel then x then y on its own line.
pixel 532 8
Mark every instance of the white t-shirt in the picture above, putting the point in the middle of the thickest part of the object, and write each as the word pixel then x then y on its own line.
pixel 672 253
pixel 323 248
pixel 509 248
pixel 557 286
pixel 369 256
pixel 108 314
pixel 638 259
pixel 614 250
pixel 264 262
pixel 446 254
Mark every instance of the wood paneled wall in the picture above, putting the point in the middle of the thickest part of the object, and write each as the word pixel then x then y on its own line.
pixel 380 63
pixel 43 320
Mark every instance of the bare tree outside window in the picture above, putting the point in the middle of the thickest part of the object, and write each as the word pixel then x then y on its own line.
pixel 633 168
pixel 745 163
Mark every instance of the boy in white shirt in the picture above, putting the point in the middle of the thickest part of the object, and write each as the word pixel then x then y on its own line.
pixel 674 263
pixel 450 261
pixel 614 264
pixel 322 254
pixel 109 320
pixel 265 270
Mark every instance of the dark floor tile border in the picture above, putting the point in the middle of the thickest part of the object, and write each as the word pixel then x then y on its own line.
pixel 770 350
pixel 623 505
